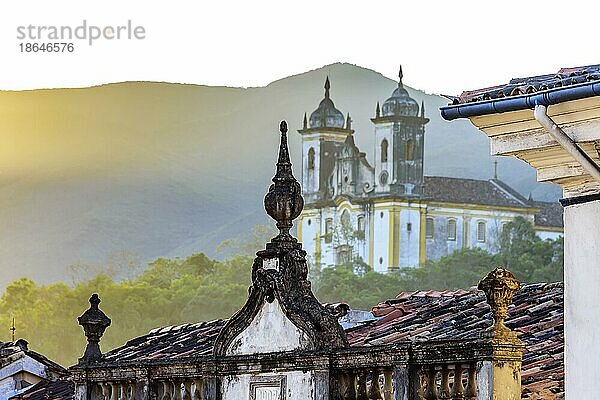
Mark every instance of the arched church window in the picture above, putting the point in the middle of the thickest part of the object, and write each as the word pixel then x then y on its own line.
pixel 410 149
pixel 328 230
pixel 384 150
pixel 481 231
pixel 361 223
pixel 311 158
pixel 429 228
pixel 451 229
pixel 346 223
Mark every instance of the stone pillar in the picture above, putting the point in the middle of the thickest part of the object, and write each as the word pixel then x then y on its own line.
pixel 582 315
pixel 500 378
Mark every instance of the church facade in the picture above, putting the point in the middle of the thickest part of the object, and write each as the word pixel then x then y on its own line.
pixel 387 213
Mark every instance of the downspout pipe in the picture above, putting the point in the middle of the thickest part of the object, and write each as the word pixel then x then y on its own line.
pixel 540 113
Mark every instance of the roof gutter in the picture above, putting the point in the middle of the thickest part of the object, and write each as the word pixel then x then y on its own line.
pixel 541 115
pixel 523 102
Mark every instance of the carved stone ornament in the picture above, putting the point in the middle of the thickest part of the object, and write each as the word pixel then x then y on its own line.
pixel 94 323
pixel 280 271
pixel 499 287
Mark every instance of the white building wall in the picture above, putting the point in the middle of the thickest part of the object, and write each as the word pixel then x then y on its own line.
pixel 299 386
pixel 409 240
pixel 34 370
pixel 270 331
pixel 582 277
pixel 308 235
pixel 381 225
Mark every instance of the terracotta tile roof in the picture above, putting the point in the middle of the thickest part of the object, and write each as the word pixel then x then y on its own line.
pixel 170 343
pixel 533 84
pixel 472 191
pixel 61 389
pixel 536 314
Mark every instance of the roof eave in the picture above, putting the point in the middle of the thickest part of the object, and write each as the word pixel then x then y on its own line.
pixel 522 102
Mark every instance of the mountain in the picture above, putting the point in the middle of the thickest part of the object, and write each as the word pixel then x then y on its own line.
pixel 162 169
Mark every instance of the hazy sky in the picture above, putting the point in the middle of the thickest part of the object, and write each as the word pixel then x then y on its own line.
pixel 444 46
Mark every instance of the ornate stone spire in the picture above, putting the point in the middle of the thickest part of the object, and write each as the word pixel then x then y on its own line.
pixel 305 122
pixel 499 286
pixel 348 122
pixel 377 111
pixel 327 86
pixel 400 75
pixel 280 273
pixel 422 109
pixel 284 201
pixel 94 322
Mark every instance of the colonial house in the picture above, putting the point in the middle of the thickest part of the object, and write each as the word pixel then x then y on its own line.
pixel 552 122
pixel 22 368
pixel 386 211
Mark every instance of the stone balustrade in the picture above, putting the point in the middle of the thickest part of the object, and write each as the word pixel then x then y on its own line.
pixel 457 369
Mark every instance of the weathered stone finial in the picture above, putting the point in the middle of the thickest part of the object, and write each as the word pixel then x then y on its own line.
pixel 422 109
pixel 499 286
pixel 348 122
pixel 377 111
pixel 305 122
pixel 327 86
pixel 284 200
pixel 94 322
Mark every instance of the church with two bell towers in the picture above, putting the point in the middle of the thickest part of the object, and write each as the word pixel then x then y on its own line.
pixel 386 213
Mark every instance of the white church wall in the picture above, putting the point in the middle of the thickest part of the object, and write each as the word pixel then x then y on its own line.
pixel 310 178
pixel 469 219
pixel 383 131
pixel 381 224
pixel 308 234
pixel 409 237
pixel 270 331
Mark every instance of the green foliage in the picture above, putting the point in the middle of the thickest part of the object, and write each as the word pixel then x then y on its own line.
pixel 461 269
pixel 530 258
pixel 169 292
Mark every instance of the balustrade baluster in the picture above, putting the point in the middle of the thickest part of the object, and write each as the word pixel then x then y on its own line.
pixel 361 393
pixel 122 390
pixel 388 388
pixel 348 388
pixel 177 390
pixel 114 390
pixel 458 389
pixel 197 392
pixel 471 393
pixel 374 392
pixel 444 393
pixel 431 389
pixel 166 388
pixel 186 390
pixel 104 391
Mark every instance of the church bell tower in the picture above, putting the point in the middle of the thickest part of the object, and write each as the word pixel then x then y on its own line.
pixel 323 134
pixel 399 144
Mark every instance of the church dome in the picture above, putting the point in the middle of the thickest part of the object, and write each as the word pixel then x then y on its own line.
pixel 400 103
pixel 326 115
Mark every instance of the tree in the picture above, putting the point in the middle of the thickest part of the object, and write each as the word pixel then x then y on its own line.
pixel 528 256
